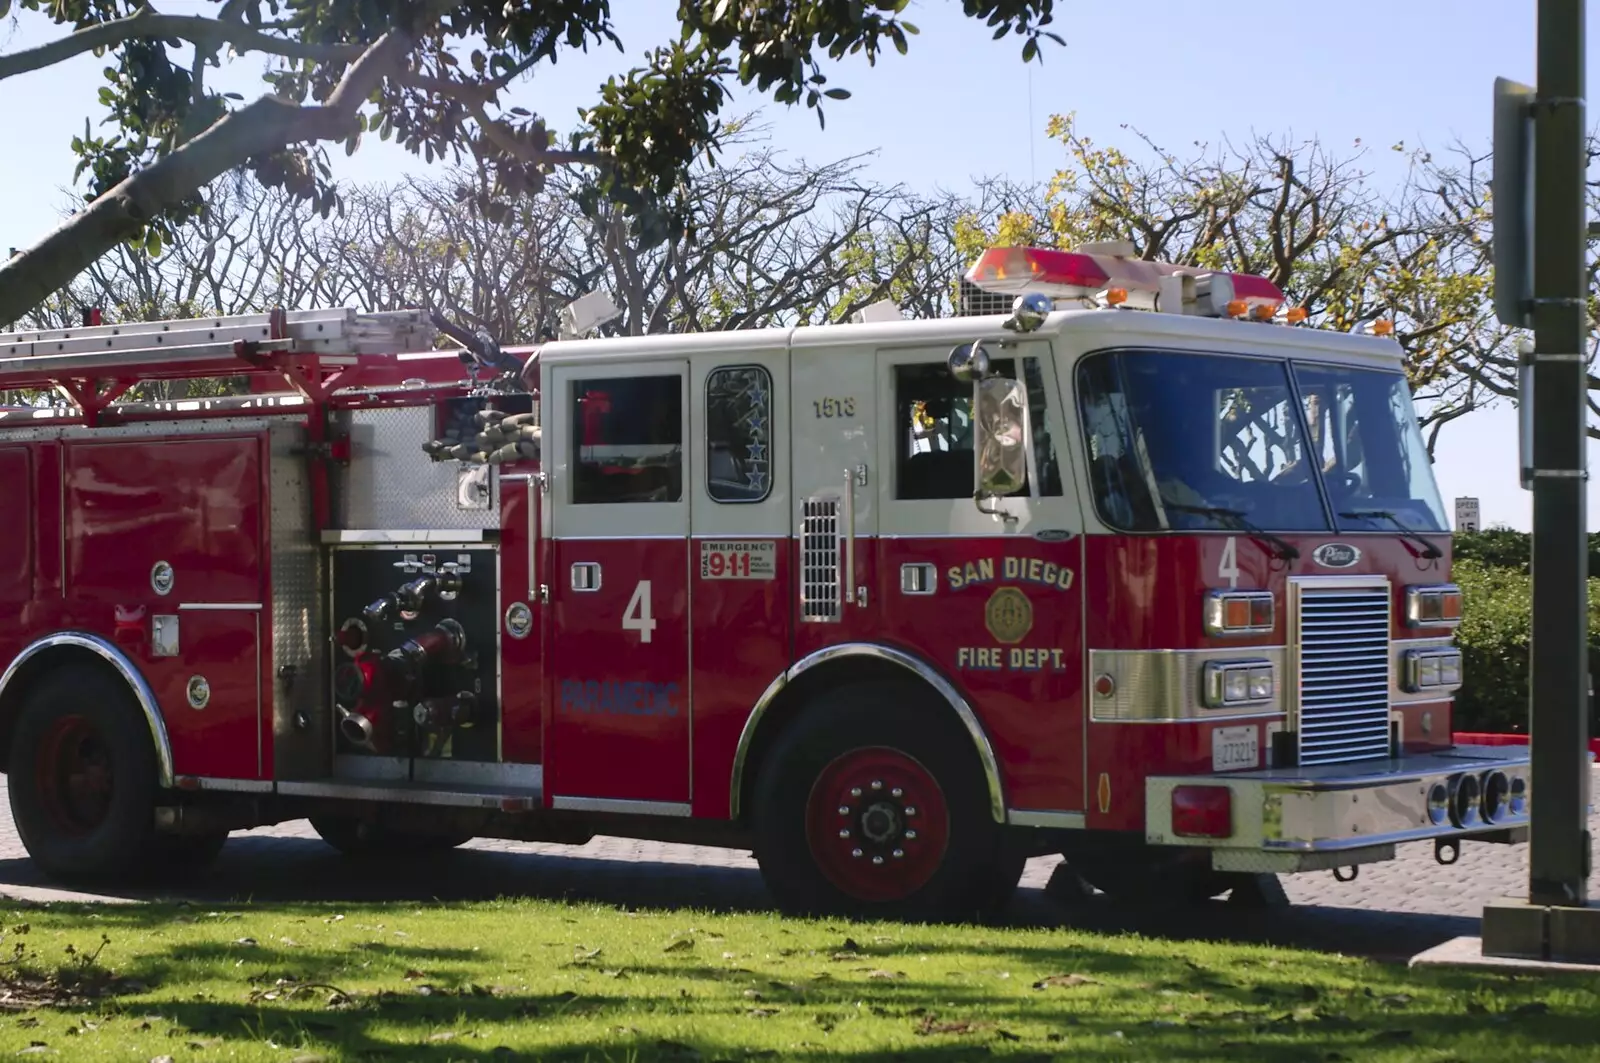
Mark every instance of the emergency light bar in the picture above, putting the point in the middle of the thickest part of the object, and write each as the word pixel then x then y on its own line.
pixel 1107 272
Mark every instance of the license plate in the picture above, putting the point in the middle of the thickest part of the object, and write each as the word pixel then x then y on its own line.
pixel 1233 748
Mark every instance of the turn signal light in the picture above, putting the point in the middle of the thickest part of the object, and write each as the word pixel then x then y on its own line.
pixel 1296 314
pixel 1237 308
pixel 1202 812
pixel 1436 606
pixel 1239 612
pixel 1116 296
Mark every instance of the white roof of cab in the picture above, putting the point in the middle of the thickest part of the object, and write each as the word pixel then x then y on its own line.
pixel 1083 330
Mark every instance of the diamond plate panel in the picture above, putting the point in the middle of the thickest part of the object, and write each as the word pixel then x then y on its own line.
pixel 299 635
pixel 391 484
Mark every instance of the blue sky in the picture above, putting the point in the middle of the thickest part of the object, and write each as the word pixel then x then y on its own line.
pixel 960 106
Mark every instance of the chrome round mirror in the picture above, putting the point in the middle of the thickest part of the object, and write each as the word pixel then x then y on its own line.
pixel 969 362
pixel 1028 311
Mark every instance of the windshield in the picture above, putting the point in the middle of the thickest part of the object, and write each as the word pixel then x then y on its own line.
pixel 1200 442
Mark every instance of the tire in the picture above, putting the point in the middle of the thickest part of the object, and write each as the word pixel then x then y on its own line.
pixel 363 839
pixel 931 807
pixel 82 778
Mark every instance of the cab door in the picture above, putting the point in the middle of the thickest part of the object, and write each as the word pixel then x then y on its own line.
pixel 617 717
pixel 994 603
pixel 740 601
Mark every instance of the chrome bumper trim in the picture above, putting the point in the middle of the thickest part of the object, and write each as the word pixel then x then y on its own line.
pixel 1337 807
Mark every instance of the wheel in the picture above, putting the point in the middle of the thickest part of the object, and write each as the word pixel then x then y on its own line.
pixel 873 804
pixel 368 840
pixel 83 778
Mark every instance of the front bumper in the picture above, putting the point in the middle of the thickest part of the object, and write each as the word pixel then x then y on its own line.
pixel 1336 815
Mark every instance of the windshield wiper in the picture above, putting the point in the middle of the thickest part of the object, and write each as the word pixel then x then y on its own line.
pixel 1284 551
pixel 1428 549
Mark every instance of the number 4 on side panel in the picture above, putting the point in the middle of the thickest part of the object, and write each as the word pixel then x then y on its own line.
pixel 638 616
pixel 1228 566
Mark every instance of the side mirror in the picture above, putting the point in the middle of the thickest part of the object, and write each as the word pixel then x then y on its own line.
pixel 1001 436
pixel 969 362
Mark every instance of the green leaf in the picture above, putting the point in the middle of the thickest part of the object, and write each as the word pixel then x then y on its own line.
pixel 837 94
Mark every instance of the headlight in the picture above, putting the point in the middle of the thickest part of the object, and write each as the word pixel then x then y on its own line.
pixel 1230 683
pixel 1436 606
pixel 1436 669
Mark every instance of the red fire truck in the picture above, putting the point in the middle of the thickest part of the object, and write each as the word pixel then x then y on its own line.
pixel 1130 565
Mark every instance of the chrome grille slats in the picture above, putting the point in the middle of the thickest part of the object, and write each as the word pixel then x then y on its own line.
pixel 1342 695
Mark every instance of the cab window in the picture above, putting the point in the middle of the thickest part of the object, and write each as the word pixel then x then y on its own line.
pixel 739 434
pixel 627 440
pixel 933 418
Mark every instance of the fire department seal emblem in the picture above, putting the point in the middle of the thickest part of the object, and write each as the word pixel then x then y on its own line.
pixel 1009 615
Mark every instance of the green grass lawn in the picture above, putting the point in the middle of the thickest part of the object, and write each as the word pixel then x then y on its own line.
pixel 542 980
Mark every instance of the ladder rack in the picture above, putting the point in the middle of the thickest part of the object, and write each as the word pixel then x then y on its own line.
pixel 214 346
pixel 321 355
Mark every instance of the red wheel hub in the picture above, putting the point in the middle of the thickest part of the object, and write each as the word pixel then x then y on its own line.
pixel 73 772
pixel 877 824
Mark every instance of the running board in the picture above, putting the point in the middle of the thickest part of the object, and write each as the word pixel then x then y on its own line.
pixel 452 795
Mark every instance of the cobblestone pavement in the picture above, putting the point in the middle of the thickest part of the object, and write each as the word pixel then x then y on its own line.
pixel 1392 910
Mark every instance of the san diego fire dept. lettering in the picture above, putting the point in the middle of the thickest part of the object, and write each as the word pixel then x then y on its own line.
pixel 1033 570
pixel 1008 613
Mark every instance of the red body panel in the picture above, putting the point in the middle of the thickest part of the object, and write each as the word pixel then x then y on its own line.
pixel 1005 624
pixel 224 739
pixel 16 546
pixel 522 689
pixel 740 633
pixel 618 716
pixel 194 502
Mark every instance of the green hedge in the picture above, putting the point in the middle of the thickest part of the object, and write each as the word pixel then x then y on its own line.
pixel 1492 570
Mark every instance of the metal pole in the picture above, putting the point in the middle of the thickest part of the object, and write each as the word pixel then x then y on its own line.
pixel 1558 869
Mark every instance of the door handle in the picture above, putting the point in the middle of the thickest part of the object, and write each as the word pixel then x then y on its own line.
pixel 586 576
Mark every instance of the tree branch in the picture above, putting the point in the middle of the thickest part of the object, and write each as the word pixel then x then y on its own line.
pixel 202 32
pixel 269 123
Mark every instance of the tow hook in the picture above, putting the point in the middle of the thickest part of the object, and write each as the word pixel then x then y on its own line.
pixel 1351 875
pixel 1442 845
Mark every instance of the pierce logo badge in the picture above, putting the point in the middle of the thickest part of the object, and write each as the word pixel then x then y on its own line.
pixel 1336 555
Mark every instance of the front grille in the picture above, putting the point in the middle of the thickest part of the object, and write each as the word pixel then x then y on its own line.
pixel 1344 674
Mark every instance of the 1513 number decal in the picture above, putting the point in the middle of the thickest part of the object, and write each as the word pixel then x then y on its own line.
pixel 829 408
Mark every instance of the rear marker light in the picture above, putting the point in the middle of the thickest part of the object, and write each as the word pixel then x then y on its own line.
pixel 1435 606
pixel 1202 812
pixel 1239 613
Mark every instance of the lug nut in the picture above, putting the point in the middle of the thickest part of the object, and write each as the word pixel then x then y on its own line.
pixel 844 834
pixel 911 810
pixel 856 853
pixel 899 854
pixel 844 810
pixel 897 792
pixel 855 791
pixel 911 835
pixel 878 860
pixel 877 784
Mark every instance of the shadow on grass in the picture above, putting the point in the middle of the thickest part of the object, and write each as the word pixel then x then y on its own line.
pixel 275 870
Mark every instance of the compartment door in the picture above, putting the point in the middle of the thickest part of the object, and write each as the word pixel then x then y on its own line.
pixel 618 715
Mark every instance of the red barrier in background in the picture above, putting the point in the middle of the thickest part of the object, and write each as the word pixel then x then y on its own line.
pixel 1471 738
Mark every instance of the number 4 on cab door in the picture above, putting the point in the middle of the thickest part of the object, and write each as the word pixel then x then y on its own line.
pixel 638 616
